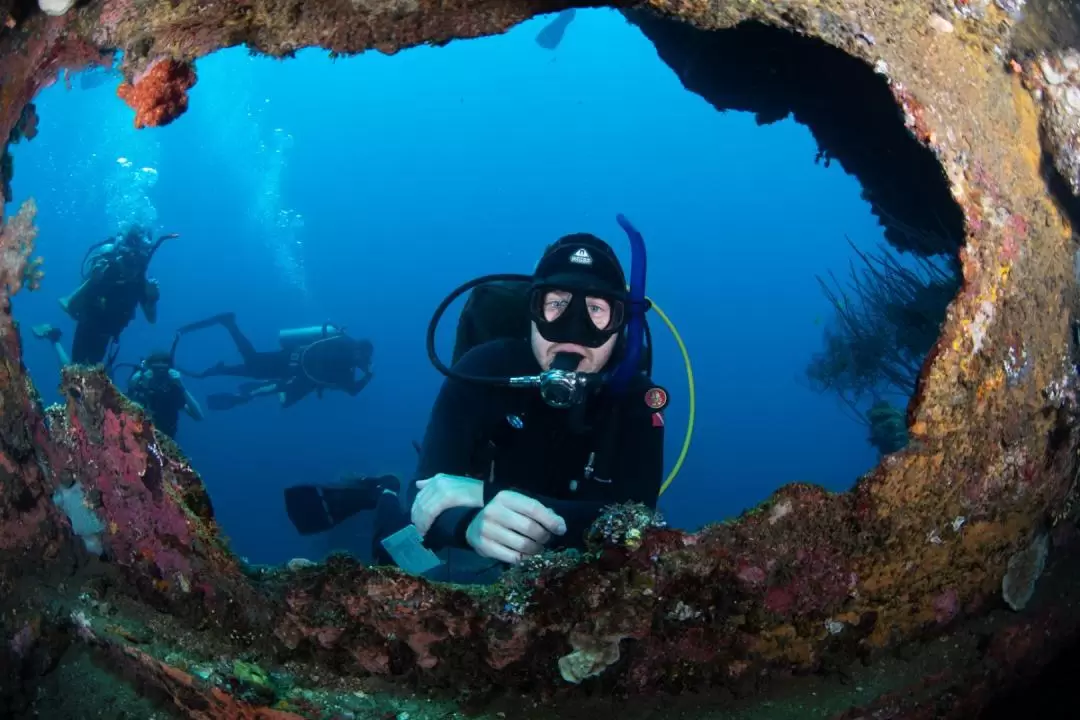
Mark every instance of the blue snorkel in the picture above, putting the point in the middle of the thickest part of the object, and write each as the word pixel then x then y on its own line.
pixel 637 306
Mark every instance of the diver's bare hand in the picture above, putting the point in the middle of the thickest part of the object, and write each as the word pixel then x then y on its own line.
pixel 513 526
pixel 441 493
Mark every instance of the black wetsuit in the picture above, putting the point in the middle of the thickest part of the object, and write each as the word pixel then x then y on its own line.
pixel 472 433
pixel 325 363
pixel 163 398
pixel 108 313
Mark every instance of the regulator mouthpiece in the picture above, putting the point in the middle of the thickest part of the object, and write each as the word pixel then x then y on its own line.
pixel 566 361
pixel 562 386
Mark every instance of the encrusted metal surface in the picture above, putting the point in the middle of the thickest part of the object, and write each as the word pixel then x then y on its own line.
pixel 936 540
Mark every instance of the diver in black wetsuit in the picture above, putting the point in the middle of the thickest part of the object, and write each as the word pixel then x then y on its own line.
pixel 497 310
pixel 508 472
pixel 310 359
pixel 114 285
pixel 157 386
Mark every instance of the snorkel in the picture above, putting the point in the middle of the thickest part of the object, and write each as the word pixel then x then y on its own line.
pixel 637 304
pixel 562 386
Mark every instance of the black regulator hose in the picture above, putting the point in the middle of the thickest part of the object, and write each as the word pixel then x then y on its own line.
pixel 433 326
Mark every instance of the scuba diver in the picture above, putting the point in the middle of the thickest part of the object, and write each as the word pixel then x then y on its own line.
pixel 493 311
pixel 532 436
pixel 157 386
pixel 114 284
pixel 310 359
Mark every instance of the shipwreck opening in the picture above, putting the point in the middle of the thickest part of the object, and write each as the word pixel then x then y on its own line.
pixel 800 185
pixel 732 611
pixel 889 303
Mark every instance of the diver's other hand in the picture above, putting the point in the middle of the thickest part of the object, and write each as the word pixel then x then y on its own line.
pixel 441 493
pixel 513 526
pixel 153 291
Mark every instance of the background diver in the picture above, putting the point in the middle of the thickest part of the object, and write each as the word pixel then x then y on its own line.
pixel 315 358
pixel 493 311
pixel 508 471
pixel 114 284
pixel 157 386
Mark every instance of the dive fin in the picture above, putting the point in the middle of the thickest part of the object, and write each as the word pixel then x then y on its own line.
pixel 306 509
pixel 221 319
pixel 315 509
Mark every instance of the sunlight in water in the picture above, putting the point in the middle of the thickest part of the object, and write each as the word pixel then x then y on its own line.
pixel 280 227
pixel 127 193
pixel 257 154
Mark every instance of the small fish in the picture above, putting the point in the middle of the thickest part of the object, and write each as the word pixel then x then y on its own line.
pixel 552 34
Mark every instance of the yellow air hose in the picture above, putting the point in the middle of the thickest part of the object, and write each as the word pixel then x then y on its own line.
pixel 690 390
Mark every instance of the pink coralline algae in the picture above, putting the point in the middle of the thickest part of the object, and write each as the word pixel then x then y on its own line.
pixel 946 606
pixel 812 579
pixel 113 12
pixel 135 495
pixel 752 576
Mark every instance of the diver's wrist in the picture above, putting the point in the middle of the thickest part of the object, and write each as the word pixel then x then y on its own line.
pixel 475 493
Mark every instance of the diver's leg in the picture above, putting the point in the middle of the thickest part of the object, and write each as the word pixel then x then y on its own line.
pixel 263 366
pixel 293 392
pixel 208 322
pixel 227 321
pixel 221 369
pixel 243 345
pixel 89 345
pixel 248 392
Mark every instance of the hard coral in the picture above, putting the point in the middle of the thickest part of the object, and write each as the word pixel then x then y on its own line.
pixel 623 525
pixel 158 95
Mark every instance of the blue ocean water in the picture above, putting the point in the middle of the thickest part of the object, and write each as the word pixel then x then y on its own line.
pixel 361 191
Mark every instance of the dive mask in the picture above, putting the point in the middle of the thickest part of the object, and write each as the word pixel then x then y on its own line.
pixel 576 320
